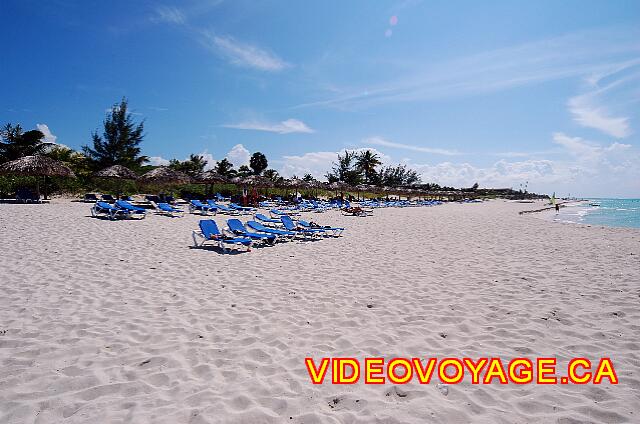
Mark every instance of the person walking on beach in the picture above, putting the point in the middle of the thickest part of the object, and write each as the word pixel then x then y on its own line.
pixel 557 208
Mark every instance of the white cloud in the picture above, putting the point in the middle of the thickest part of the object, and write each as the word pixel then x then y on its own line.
pixel 244 54
pixel 319 163
pixel 586 114
pixel 285 127
pixel 168 14
pixel 48 136
pixel 314 163
pixel 158 161
pixel 379 141
pixel 211 161
pixel 575 166
pixel 584 150
pixel 238 155
pixel 501 174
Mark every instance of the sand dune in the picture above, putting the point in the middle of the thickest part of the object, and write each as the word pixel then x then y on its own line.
pixel 124 322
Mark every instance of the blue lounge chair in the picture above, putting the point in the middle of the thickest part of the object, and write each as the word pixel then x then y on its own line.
pixel 133 210
pixel 277 213
pixel 281 234
pixel 222 208
pixel 167 209
pixel 335 231
pixel 209 232
pixel 221 198
pixel 271 222
pixel 238 229
pixel 241 209
pixel 107 198
pixel 196 205
pixel 112 212
pixel 90 198
pixel 290 226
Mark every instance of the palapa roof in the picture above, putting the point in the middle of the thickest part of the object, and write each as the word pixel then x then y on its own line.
pixel 257 180
pixel 166 175
pixel 338 185
pixel 295 182
pixel 211 176
pixel 36 165
pixel 117 171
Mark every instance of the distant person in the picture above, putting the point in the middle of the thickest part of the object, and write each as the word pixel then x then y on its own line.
pixel 557 208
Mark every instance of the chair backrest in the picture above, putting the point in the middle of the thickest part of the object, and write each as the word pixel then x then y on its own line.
pixel 288 222
pixel 235 225
pixel 90 196
pixel 235 205
pixel 104 205
pixel 209 228
pixel 165 207
pixel 262 217
pixel 107 197
pixel 256 225
pixel 124 204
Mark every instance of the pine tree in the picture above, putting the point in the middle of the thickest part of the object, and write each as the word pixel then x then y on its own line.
pixel 119 142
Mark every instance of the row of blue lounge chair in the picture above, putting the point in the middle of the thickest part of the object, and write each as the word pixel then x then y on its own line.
pixel 124 209
pixel 263 230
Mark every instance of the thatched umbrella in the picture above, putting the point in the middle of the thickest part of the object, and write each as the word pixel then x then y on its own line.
pixel 295 183
pixel 210 177
pixel 37 166
pixel 338 186
pixel 165 175
pixel 257 181
pixel 117 172
pixel 362 187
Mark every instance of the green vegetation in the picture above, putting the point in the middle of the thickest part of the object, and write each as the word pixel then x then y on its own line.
pixel 120 142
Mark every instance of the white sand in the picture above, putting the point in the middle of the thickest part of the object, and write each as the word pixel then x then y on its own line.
pixel 114 322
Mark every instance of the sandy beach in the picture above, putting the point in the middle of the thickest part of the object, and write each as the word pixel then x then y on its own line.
pixel 125 322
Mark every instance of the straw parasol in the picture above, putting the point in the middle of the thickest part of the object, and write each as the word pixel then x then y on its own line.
pixel 257 181
pixel 166 175
pixel 211 177
pixel 117 172
pixel 36 166
pixel 362 187
pixel 296 182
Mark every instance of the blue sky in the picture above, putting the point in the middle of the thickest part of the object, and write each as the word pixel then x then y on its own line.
pixel 495 92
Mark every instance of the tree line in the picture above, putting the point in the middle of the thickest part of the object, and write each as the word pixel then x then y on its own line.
pixel 119 144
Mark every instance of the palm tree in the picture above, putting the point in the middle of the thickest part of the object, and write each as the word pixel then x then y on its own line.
pixel 15 144
pixel 367 162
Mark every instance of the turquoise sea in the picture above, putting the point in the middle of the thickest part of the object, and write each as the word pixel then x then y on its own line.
pixel 608 212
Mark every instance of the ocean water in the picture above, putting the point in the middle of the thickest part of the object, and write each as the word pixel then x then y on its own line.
pixel 609 212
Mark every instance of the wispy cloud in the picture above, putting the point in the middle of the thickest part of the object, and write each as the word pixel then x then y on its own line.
pixel 574 55
pixel 591 109
pixel 587 114
pixel 168 14
pixel 379 141
pixel 285 127
pixel 243 54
